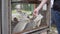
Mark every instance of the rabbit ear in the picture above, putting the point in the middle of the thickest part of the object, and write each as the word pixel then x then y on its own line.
pixel 39 17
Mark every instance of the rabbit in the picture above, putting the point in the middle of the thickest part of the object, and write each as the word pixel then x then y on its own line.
pixel 27 23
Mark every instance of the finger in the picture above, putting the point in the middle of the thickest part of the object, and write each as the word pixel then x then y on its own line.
pixel 35 14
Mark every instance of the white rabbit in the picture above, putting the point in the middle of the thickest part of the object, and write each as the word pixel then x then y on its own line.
pixel 27 24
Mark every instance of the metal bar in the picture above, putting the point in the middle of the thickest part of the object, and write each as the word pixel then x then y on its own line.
pixel 34 30
pixel 38 30
pixel 0 17
pixel 5 17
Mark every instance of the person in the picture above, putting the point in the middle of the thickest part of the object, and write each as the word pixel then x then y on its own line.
pixel 55 12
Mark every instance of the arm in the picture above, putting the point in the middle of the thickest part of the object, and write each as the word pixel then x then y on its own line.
pixel 35 13
pixel 41 4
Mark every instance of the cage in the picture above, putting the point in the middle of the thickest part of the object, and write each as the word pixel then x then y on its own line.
pixel 45 24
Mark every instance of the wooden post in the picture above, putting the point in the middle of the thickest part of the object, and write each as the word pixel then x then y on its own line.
pixel 9 16
pixel 48 15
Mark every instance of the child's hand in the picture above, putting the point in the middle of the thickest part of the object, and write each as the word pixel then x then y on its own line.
pixel 35 13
